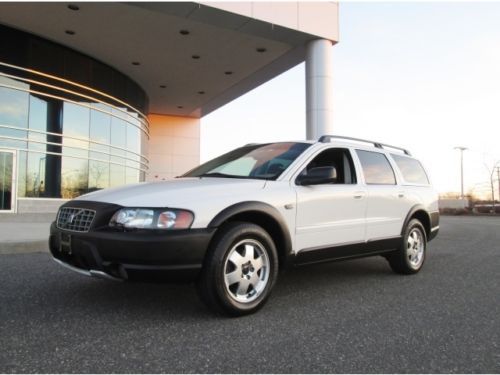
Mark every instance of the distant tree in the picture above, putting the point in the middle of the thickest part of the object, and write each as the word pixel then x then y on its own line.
pixel 472 196
pixel 96 174
pixel 491 171
pixel 449 195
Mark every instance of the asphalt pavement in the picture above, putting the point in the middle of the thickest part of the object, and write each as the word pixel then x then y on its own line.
pixel 354 316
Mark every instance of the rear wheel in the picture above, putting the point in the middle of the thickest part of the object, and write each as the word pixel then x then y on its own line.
pixel 410 257
pixel 240 269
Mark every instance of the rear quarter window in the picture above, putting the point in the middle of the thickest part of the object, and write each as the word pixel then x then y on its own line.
pixel 411 169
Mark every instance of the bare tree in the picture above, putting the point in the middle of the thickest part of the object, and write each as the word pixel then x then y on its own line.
pixel 96 172
pixel 491 172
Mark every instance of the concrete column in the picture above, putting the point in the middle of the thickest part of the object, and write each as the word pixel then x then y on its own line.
pixel 174 146
pixel 319 101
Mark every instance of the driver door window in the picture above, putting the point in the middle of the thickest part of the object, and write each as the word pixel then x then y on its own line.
pixel 340 159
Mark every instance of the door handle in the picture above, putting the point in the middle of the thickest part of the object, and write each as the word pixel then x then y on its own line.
pixel 358 195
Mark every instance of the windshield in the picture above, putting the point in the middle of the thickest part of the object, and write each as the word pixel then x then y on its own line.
pixel 264 161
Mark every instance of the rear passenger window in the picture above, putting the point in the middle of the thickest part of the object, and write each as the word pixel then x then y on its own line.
pixel 411 169
pixel 376 168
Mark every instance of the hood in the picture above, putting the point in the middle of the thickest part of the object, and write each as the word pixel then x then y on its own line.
pixel 178 193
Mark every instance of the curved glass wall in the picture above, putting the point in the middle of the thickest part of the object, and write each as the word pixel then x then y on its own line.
pixel 70 138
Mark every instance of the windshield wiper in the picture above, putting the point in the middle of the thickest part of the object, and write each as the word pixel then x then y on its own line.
pixel 223 175
pixel 218 174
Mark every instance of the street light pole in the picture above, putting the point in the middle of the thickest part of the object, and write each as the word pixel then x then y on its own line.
pixel 492 183
pixel 493 207
pixel 498 180
pixel 462 149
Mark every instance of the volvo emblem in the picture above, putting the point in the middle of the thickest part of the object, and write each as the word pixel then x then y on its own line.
pixel 71 217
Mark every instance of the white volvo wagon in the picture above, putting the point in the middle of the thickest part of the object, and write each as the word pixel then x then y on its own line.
pixel 232 223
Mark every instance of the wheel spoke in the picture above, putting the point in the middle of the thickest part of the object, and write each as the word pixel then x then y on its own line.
pixel 243 287
pixel 236 259
pixel 410 242
pixel 254 280
pixel 257 264
pixel 233 277
pixel 249 252
pixel 414 235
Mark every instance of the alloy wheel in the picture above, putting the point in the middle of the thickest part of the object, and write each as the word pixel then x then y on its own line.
pixel 415 248
pixel 246 270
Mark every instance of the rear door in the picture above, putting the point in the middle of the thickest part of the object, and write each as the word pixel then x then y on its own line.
pixel 386 204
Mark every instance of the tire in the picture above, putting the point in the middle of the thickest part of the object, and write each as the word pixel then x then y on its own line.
pixel 232 280
pixel 410 256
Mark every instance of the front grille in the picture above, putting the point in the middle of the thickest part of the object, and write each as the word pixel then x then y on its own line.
pixel 75 219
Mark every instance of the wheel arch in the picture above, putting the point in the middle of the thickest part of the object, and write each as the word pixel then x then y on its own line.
pixel 418 212
pixel 263 215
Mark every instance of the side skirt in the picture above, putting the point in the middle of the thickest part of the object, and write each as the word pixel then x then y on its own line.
pixel 346 251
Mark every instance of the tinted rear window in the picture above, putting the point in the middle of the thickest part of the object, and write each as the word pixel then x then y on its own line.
pixel 411 169
pixel 376 168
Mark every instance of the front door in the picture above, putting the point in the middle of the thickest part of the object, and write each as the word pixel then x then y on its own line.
pixel 331 214
pixel 7 188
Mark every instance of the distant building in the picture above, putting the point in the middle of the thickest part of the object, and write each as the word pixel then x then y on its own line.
pixel 453 203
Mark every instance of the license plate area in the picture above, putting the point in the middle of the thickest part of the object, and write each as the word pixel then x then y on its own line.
pixel 65 243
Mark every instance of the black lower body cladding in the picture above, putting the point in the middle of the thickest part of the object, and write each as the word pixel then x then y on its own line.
pixel 177 255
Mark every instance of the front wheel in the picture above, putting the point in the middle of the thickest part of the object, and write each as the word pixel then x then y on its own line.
pixel 410 256
pixel 240 269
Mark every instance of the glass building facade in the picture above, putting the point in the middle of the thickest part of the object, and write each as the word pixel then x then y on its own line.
pixel 74 124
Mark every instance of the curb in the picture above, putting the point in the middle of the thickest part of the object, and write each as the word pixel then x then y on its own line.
pixel 24 247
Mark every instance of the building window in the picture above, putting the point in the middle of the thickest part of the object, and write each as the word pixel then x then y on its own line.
pixel 68 143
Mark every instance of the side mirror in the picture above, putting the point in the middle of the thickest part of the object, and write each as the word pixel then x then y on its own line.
pixel 318 176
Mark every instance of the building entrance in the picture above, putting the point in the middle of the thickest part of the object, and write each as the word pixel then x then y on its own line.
pixel 7 188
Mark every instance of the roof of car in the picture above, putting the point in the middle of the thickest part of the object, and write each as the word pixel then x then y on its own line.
pixel 350 141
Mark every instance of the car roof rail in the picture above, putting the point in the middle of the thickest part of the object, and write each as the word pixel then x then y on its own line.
pixel 328 138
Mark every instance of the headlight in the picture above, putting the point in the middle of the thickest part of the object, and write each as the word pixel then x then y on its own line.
pixel 133 218
pixel 148 218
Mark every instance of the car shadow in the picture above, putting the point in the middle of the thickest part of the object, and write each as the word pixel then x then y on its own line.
pixel 146 300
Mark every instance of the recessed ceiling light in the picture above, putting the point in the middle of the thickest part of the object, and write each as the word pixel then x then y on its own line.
pixel 228 73
pixel 73 7
pixel 201 92
pixel 184 32
pixel 196 57
pixel 261 50
pixel 163 86
pixel 70 32
pixel 136 63
pixel 180 106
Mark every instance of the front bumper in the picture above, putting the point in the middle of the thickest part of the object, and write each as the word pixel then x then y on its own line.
pixel 106 253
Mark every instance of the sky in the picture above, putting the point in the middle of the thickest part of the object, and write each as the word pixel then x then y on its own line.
pixel 423 76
